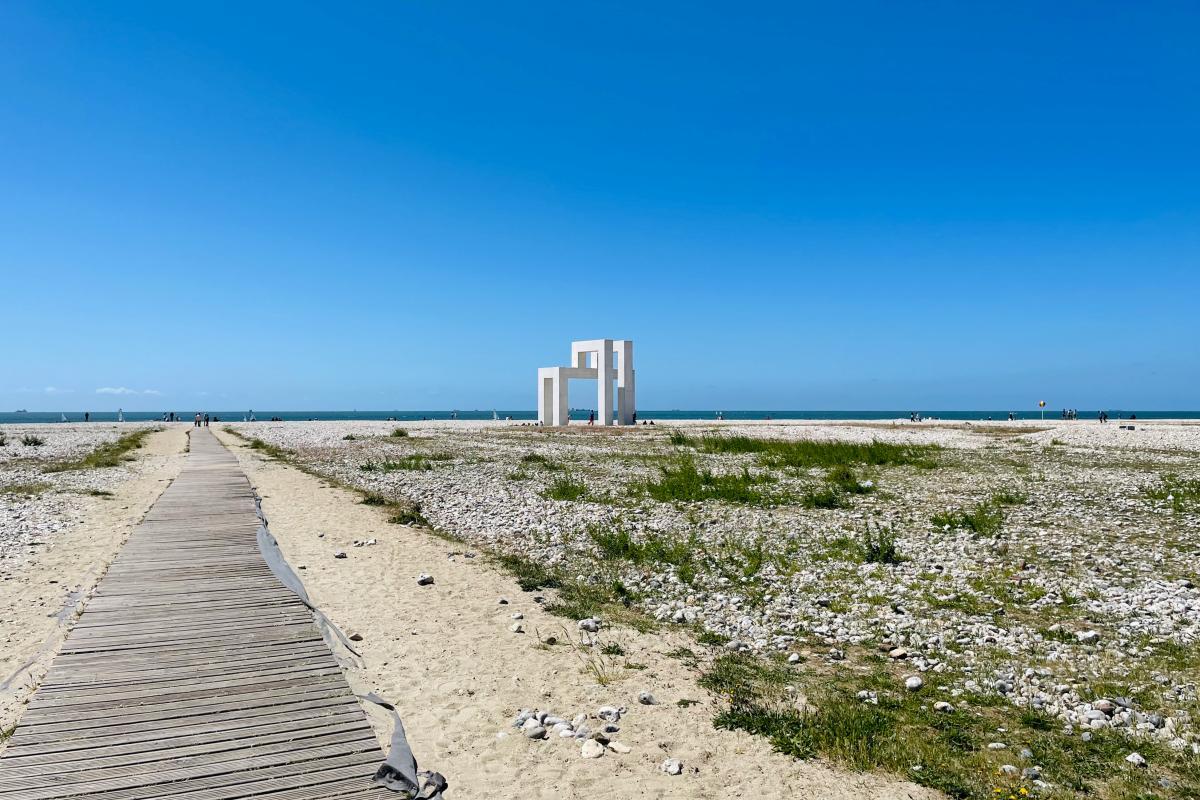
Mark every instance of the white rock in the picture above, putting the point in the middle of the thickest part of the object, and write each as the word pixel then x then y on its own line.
pixel 672 766
pixel 914 682
pixel 424 580
pixel 592 749
pixel 1136 760
pixel 618 747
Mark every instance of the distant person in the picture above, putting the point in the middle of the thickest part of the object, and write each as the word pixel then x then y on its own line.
pixel 196 423
pixel 206 420
pixel 1133 416
pixel 87 416
pixel 635 418
pixel 591 418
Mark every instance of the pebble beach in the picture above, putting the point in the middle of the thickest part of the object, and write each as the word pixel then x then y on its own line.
pixel 1078 599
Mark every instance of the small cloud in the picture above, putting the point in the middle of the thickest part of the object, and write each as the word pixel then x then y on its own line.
pixel 125 390
pixel 56 390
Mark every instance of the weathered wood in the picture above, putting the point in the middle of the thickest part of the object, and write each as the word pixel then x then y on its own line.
pixel 193 673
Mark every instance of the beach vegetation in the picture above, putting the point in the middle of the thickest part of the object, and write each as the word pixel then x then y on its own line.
pixel 984 519
pixel 111 454
pixel 680 480
pixel 1009 497
pixel 349 437
pixel 99 493
pixel 565 488
pixel 826 497
pixel 399 433
pixel 415 462
pixel 1180 493
pixel 879 545
pixel 899 731
pixel 24 489
pixel 807 453
pixel 400 511
pixel 29 440
pixel 541 461
pixel 650 549
pixel 3 439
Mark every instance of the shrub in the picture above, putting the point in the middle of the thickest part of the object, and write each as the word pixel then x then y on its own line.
pixel 564 488
pixel 400 433
pixel 879 545
pixel 682 481
pixel 29 440
pixel 984 519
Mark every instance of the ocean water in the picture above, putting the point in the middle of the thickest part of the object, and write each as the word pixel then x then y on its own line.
pixel 730 414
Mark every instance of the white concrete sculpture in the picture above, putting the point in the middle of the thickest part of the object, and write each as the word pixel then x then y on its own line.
pixel 591 359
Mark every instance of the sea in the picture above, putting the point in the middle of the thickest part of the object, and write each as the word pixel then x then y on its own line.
pixel 18 417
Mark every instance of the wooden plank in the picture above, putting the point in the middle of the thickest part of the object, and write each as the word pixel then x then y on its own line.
pixel 192 672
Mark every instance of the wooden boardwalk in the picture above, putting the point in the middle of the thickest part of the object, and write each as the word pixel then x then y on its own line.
pixel 193 673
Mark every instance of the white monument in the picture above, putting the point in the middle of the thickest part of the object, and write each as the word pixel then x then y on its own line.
pixel 591 359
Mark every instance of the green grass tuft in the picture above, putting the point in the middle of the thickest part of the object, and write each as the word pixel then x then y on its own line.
pixel 24 489
pixel 111 454
pixel 984 519
pixel 1181 493
pixel 399 433
pixel 681 481
pixel 565 488
pixel 29 440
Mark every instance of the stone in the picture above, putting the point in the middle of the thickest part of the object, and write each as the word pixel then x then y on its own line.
pixel 517 627
pixel 997 746
pixel 898 652
pixel 424 580
pixel 339 553
pixel 672 766
pixel 943 707
pixel 536 732
pixel 609 713
pixel 1136 760
pixel 1009 769
pixel 518 615
pixel 589 625
pixel 1088 637
pixel 618 747
pixel 914 682
pixel 794 658
pixel 591 749
pixel 355 637
pixel 503 601
pixel 647 699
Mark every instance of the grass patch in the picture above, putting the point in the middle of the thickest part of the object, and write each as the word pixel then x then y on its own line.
pixel 879 545
pixel 804 454
pixel 24 489
pixel 400 512
pixel 29 440
pixel 111 454
pixel 610 601
pixel 682 481
pixel 565 488
pixel 539 460
pixel 827 497
pixel 415 462
pixel 99 493
pixel 903 735
pixel 399 433
pixel 984 519
pixel 1181 493
pixel 651 549
pixel 1009 497
pixel 3 439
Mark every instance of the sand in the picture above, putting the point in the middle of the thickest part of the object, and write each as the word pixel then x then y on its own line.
pixel 445 656
pixel 39 600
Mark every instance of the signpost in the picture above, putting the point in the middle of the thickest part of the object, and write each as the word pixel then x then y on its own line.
pixel 1042 406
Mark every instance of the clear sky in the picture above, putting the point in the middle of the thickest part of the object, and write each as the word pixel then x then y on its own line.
pixel 414 205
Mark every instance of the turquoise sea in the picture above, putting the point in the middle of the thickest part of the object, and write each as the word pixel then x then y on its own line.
pixel 647 414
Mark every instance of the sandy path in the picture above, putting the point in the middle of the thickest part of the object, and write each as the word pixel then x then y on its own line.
pixel 445 656
pixel 38 602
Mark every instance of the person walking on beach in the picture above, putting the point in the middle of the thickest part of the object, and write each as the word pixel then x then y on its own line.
pixel 196 422
pixel 591 417
pixel 206 419
pixel 87 416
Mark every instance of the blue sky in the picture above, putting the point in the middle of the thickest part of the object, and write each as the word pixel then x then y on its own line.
pixel 414 205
